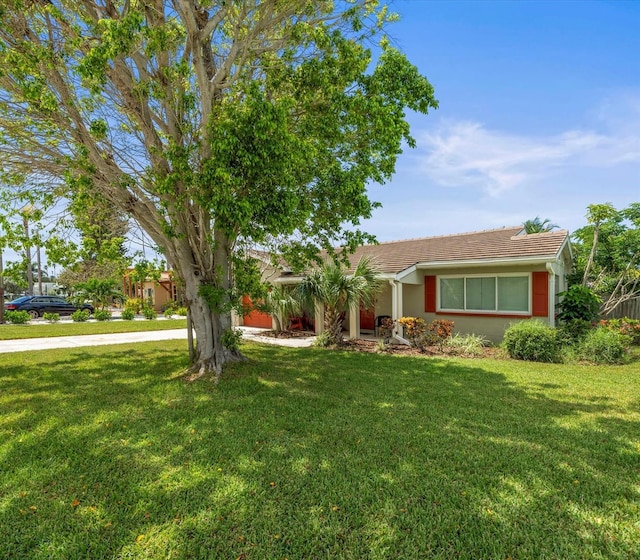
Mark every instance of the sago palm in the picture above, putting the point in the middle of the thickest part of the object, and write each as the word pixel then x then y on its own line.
pixel 339 292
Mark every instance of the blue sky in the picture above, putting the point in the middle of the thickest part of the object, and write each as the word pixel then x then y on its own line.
pixel 539 115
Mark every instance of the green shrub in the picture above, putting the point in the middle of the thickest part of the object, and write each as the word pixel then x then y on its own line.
pixel 578 302
pixel 17 317
pixel 149 313
pixel 168 306
pixel 231 339
pixel 80 316
pixel 531 340
pixel 421 335
pixel 169 313
pixel 323 340
pixel 466 344
pixel 573 332
pixel 51 317
pixel 629 327
pixel 128 314
pixel 604 346
pixel 182 311
pixel 102 315
pixel 135 304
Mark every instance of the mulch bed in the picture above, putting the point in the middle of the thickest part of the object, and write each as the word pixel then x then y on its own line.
pixel 288 334
pixel 370 346
pixel 404 350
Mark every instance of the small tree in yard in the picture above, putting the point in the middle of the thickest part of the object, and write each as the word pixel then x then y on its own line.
pixel 339 291
pixel 214 125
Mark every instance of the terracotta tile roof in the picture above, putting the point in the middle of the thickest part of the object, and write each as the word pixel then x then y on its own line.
pixel 504 243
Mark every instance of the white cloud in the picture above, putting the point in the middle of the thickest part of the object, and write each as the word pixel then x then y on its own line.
pixel 469 154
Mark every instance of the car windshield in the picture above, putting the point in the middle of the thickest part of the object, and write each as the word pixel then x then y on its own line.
pixel 21 299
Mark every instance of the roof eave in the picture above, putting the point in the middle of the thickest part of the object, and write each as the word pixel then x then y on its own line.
pixel 470 263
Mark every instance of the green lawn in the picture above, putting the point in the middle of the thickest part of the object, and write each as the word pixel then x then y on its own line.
pixel 42 330
pixel 306 453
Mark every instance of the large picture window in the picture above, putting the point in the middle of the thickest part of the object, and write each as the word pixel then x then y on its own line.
pixel 493 294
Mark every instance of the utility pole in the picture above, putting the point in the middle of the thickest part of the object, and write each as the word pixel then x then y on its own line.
pixel 39 269
pixel 1 289
pixel 27 249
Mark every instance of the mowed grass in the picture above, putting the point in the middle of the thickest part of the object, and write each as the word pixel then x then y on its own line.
pixel 106 452
pixel 46 330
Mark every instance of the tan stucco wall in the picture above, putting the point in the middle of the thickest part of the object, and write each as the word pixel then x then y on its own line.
pixel 384 302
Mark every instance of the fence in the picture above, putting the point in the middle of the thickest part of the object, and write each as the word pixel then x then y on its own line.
pixel 630 309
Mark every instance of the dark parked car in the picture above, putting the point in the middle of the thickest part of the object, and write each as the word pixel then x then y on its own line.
pixel 36 306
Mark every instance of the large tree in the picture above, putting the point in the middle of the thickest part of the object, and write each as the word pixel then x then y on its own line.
pixel 607 254
pixel 211 123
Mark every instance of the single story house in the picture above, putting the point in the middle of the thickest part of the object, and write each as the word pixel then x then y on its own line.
pixel 483 280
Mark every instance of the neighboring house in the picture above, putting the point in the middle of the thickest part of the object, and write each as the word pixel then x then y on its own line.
pixel 483 281
pixel 157 292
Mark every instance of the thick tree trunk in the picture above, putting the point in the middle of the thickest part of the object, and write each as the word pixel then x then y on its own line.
pixel 209 322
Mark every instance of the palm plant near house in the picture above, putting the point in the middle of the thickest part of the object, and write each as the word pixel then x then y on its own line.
pixel 338 291
pixel 281 302
pixel 538 225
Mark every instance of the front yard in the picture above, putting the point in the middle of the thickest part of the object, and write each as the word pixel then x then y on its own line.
pixel 306 453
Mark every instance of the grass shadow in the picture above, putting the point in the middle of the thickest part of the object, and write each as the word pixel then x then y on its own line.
pixel 309 453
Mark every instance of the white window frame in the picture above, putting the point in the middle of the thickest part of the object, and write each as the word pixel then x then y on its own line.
pixel 496 312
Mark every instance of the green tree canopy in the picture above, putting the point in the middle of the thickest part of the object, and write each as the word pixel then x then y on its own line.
pixel 607 253
pixel 212 124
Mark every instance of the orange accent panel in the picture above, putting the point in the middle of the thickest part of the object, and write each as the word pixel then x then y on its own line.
pixel 540 299
pixel 430 294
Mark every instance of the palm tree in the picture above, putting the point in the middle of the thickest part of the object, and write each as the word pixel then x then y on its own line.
pixel 339 292
pixel 101 292
pixel 281 302
pixel 537 225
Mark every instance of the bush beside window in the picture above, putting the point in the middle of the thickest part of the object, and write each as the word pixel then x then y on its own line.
pixel 531 340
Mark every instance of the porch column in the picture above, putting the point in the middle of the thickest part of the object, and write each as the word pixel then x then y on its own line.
pixel 354 323
pixel 396 304
pixel 318 313
pixel 552 294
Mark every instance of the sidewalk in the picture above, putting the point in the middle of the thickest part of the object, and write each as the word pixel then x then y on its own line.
pixel 31 344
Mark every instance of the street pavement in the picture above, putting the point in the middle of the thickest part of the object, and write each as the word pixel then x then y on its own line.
pixel 30 344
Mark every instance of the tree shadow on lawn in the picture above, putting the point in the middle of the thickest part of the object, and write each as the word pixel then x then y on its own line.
pixel 308 454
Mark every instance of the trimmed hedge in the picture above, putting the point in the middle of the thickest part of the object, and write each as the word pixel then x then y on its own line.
pixel 531 340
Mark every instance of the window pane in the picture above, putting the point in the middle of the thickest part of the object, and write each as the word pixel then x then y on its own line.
pixel 452 293
pixel 513 293
pixel 481 293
